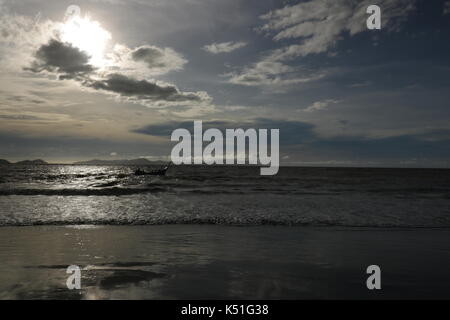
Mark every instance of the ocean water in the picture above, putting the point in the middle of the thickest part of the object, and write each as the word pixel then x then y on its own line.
pixel 108 195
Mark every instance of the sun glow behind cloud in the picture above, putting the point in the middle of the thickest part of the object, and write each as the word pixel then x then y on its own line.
pixel 88 36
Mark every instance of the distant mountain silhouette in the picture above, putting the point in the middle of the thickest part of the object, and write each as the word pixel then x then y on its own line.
pixel 133 162
pixel 4 162
pixel 32 162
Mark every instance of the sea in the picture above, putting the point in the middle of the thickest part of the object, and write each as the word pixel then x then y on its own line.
pixel 225 195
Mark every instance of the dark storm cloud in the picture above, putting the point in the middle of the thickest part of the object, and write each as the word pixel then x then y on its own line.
pixel 62 58
pixel 141 89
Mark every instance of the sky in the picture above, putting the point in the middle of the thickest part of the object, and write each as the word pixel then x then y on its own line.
pixel 113 80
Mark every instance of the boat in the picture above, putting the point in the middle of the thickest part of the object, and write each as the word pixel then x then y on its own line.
pixel 159 172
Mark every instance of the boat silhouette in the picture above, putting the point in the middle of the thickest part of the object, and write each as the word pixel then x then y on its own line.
pixel 158 172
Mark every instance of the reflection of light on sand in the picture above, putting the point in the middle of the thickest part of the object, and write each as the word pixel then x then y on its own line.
pixel 110 281
pixel 148 290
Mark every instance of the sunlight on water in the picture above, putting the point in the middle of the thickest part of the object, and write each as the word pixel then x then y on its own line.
pixel 94 195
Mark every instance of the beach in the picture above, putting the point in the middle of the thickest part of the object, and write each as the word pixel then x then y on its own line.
pixel 222 262
pixel 223 233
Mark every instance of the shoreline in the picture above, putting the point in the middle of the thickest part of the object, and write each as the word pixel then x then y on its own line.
pixel 222 262
pixel 301 166
pixel 220 225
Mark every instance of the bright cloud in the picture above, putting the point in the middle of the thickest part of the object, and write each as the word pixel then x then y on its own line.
pixel 318 25
pixel 77 50
pixel 224 47
pixel 145 61
pixel 267 72
pixel 320 105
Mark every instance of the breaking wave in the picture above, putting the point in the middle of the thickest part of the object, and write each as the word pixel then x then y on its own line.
pixel 72 195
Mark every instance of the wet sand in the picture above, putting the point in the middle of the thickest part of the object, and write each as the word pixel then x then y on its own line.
pixel 222 262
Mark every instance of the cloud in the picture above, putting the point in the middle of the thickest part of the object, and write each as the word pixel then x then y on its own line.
pixel 20 37
pixel 146 60
pixel 360 84
pixel 193 111
pixel 19 117
pixel 61 58
pixel 144 91
pixel 320 24
pixel 157 58
pixel 267 72
pixel 394 147
pixel 294 133
pixel 291 132
pixel 126 73
pixel 36 46
pixel 320 105
pixel 224 47
pixel 71 147
pixel 346 147
pixel 69 62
